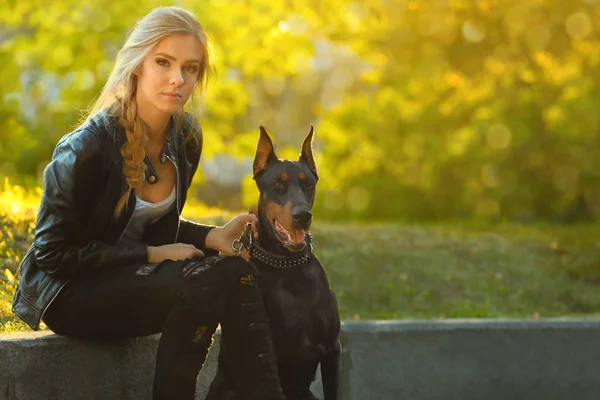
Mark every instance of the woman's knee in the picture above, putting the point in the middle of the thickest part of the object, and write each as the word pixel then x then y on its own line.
pixel 214 277
pixel 212 282
pixel 226 269
pixel 237 271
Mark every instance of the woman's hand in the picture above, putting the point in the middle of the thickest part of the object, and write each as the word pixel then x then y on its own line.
pixel 220 238
pixel 175 251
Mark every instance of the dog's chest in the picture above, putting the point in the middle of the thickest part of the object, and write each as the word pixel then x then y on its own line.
pixel 301 309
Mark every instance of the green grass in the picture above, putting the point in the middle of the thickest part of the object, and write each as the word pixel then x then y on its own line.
pixel 469 271
pixel 15 236
pixel 448 270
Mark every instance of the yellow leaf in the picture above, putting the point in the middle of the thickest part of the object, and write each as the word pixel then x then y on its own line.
pixel 9 275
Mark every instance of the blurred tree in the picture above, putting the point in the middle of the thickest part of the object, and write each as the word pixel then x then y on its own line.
pixel 467 108
pixel 424 109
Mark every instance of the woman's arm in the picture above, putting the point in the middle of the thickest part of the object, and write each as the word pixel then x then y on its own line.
pixel 195 234
pixel 70 193
pixel 214 239
pixel 210 239
pixel 191 232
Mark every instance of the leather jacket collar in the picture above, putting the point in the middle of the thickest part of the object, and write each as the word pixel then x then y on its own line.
pixel 167 152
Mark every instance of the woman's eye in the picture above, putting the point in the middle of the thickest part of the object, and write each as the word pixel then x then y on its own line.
pixel 162 62
pixel 191 69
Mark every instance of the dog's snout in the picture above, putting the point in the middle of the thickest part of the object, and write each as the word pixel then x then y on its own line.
pixel 302 217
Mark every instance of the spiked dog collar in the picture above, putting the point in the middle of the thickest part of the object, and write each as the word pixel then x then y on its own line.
pixel 257 253
pixel 260 254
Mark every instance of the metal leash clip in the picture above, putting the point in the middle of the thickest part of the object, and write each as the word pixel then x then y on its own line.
pixel 245 239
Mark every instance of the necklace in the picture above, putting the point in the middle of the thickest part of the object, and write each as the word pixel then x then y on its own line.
pixel 151 174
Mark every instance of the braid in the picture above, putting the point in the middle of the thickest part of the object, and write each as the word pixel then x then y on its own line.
pixel 133 150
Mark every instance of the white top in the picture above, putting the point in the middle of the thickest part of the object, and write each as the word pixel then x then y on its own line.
pixel 146 213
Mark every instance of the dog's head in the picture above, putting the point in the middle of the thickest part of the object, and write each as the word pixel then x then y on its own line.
pixel 287 192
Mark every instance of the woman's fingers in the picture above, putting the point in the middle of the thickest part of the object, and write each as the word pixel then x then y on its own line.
pixel 249 217
pixel 245 218
pixel 245 254
pixel 231 231
pixel 235 227
pixel 255 231
pixel 198 253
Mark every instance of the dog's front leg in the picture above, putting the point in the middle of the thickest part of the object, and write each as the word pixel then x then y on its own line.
pixel 330 371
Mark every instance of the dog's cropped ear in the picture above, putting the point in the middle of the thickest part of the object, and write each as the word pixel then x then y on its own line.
pixel 265 153
pixel 306 156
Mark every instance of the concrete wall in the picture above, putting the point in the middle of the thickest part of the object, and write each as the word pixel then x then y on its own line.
pixel 454 359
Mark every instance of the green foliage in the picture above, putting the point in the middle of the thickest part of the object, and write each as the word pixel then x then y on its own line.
pixel 469 108
pixel 16 234
pixel 423 109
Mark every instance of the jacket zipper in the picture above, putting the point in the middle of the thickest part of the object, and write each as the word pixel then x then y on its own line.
pixel 51 301
pixel 126 226
pixel 176 196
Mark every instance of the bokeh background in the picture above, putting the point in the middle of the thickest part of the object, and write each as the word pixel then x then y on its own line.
pixel 456 140
pixel 424 110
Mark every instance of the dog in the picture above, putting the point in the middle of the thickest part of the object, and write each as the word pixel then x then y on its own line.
pixel 302 309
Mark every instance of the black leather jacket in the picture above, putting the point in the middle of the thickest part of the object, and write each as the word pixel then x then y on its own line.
pixel 76 231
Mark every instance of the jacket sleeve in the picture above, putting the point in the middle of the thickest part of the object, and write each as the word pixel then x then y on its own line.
pixel 194 234
pixel 71 181
pixel 190 232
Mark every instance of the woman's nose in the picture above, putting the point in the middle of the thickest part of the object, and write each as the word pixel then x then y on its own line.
pixel 177 78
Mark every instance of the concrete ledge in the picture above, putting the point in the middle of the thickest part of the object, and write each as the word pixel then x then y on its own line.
pixel 452 359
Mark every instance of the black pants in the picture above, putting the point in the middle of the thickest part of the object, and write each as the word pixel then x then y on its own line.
pixel 184 300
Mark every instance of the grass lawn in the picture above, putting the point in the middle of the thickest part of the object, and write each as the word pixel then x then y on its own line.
pixel 446 270
pixel 454 271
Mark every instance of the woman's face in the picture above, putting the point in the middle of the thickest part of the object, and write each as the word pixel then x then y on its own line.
pixel 169 73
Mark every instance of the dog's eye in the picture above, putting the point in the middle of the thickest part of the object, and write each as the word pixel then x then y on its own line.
pixel 278 185
pixel 308 185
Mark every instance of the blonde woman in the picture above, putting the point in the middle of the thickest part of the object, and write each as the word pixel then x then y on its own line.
pixel 112 257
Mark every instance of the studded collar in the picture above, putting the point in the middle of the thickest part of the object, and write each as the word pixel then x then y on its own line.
pixel 257 253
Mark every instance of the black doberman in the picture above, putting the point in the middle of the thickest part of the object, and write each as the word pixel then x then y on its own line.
pixel 302 309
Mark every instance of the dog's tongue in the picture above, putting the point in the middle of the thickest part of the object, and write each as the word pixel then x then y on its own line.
pixel 296 236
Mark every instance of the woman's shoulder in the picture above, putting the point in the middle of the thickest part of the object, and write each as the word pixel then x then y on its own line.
pixel 92 134
pixel 191 125
pixel 192 132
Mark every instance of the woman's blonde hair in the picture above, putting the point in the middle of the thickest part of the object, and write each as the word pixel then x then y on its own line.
pixel 118 94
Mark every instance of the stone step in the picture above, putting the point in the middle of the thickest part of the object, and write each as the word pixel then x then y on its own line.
pixel 420 360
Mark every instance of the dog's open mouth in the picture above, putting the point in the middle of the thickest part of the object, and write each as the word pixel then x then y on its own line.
pixel 293 240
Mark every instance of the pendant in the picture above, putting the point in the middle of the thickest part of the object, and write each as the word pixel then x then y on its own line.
pixel 151 174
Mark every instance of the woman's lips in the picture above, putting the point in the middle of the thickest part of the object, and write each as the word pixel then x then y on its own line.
pixel 172 96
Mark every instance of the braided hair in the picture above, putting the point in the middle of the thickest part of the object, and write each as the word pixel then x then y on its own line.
pixel 118 94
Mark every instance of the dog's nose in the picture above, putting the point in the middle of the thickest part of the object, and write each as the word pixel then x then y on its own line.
pixel 302 217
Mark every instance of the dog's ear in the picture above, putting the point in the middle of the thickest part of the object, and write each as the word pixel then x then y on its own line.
pixel 265 153
pixel 306 156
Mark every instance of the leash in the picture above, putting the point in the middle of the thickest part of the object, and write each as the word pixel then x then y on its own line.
pixel 266 257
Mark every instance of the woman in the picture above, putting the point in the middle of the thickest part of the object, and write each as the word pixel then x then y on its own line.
pixel 112 257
